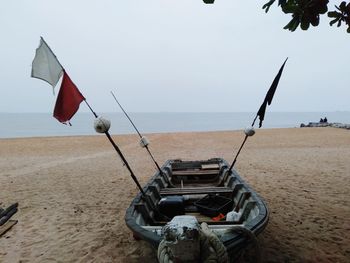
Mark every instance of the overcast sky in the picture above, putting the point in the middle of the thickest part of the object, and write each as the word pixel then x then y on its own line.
pixel 172 56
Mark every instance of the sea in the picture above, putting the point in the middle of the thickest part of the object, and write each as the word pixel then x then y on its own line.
pixel 18 125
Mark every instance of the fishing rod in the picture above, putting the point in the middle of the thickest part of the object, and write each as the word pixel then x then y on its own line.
pixel 261 112
pixel 144 142
pixel 102 126
pixel 115 146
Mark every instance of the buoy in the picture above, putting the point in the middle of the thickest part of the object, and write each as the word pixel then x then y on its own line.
pixel 249 131
pixel 144 142
pixel 101 125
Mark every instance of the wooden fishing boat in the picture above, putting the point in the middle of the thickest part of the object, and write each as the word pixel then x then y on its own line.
pixel 206 190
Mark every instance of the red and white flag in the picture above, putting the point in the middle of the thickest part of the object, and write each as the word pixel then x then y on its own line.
pixel 46 66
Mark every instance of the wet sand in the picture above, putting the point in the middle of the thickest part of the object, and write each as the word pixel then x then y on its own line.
pixel 73 192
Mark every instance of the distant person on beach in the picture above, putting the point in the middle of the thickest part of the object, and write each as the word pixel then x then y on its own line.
pixel 325 119
pixel 321 120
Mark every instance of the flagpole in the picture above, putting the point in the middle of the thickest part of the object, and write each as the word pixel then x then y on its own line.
pixel 119 152
pixel 240 148
pixel 61 113
pixel 239 151
pixel 94 113
pixel 140 135
pixel 261 111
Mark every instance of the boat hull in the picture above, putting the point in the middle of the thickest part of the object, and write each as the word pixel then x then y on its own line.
pixel 195 179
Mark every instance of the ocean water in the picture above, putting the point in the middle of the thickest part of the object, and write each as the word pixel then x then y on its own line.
pixel 15 125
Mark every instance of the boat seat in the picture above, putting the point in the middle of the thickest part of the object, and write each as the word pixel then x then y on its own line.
pixel 241 200
pixel 195 172
pixel 195 190
pixel 247 207
pixel 146 214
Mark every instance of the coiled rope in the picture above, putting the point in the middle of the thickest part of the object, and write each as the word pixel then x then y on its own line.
pixel 164 253
pixel 212 249
pixel 252 237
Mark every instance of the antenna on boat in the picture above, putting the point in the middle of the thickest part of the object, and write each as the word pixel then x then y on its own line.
pixel 143 142
pixel 261 112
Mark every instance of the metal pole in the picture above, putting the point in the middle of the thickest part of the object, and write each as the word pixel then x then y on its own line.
pixel 240 148
pixel 120 153
pixel 140 135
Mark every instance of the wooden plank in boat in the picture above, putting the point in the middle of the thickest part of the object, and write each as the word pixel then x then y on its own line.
pixel 195 190
pixel 196 172
pixel 212 166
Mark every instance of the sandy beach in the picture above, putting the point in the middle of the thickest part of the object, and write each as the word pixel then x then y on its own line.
pixel 73 192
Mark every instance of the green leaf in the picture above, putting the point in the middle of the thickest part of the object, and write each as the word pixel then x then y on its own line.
pixel 289 8
pixel 333 14
pixel 304 24
pixel 293 24
pixel 282 2
pixel 333 21
pixel 342 6
pixel 268 5
pixel 315 20
pixel 323 9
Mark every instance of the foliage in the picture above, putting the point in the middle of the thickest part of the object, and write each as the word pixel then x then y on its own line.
pixel 342 15
pixel 306 12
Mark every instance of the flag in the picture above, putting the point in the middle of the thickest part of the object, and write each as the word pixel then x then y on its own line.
pixel 269 95
pixel 45 65
pixel 68 100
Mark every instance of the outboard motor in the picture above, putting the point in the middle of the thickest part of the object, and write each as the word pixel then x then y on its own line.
pixel 181 241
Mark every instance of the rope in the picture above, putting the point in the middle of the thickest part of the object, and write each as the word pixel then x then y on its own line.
pixel 164 253
pixel 212 249
pixel 251 236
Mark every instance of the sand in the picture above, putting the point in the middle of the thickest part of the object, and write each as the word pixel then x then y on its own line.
pixel 73 192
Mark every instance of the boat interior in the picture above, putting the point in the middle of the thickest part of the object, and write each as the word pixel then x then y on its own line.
pixel 204 189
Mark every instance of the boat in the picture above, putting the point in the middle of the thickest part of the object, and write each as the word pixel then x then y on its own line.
pixel 197 192
pixel 199 210
pixel 191 211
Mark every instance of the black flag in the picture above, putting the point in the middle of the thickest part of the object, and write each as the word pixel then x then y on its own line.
pixel 269 96
pixel 261 112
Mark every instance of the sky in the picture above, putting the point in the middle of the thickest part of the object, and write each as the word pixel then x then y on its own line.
pixel 172 56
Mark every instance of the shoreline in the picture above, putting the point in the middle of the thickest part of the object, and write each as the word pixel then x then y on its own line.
pixel 73 192
pixel 302 125
pixel 145 134
pixel 45 125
